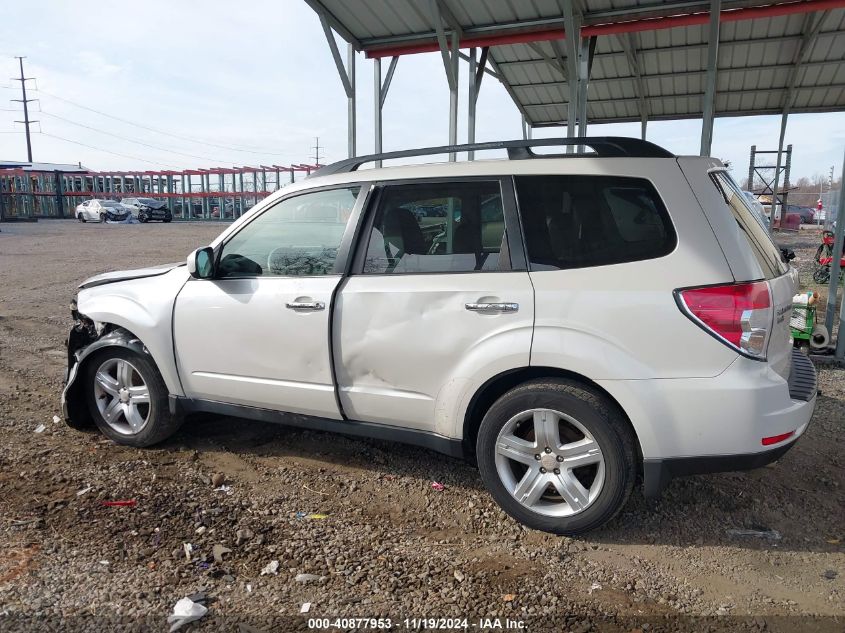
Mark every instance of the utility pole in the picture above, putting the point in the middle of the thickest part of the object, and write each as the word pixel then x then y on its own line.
pixel 316 149
pixel 25 101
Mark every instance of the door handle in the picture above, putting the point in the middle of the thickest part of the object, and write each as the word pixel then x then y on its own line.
pixel 492 307
pixel 306 306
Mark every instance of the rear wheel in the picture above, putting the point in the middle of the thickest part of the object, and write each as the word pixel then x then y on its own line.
pixel 80 217
pixel 821 273
pixel 127 398
pixel 557 456
pixel 102 217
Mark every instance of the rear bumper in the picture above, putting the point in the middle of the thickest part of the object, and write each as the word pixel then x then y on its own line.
pixel 689 426
pixel 658 472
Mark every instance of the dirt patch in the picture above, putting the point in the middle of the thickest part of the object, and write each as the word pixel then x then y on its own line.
pixel 389 543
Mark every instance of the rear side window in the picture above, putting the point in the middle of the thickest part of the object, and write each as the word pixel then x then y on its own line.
pixel 444 227
pixel 580 221
pixel 759 241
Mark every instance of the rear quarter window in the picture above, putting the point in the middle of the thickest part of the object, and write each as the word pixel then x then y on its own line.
pixel 759 241
pixel 581 221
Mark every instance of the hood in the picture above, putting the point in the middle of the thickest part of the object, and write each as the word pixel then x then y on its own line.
pixel 125 275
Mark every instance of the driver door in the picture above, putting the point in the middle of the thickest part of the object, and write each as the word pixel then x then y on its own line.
pixel 258 333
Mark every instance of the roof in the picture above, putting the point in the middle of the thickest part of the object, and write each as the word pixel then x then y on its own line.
pixel 26 166
pixel 650 57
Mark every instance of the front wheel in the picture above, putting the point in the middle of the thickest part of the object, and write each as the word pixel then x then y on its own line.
pixel 557 456
pixel 80 217
pixel 127 398
pixel 103 218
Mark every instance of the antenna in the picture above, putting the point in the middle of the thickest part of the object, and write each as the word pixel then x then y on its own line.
pixel 25 101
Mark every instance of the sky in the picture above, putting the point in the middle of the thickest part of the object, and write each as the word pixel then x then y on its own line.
pixel 221 84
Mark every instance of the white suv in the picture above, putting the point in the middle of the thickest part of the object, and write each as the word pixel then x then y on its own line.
pixel 569 322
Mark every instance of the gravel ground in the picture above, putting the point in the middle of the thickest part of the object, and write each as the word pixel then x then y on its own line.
pixel 389 545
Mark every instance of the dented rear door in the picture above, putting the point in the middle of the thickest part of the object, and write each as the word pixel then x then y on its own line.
pixel 440 297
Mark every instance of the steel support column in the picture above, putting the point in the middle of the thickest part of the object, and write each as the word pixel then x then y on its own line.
pixel 451 54
pixel 347 78
pixel 453 94
pixel 377 109
pixel 379 96
pixel 774 208
pixel 351 119
pixel 586 50
pixel 709 109
pixel 835 273
pixel 475 76
pixel 572 26
pixel 472 95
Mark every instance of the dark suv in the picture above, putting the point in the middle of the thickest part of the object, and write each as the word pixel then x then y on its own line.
pixel 146 209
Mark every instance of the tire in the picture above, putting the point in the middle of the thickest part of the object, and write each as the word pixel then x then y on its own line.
pixel 103 218
pixel 142 218
pixel 167 220
pixel 80 217
pixel 821 274
pixel 578 414
pixel 153 422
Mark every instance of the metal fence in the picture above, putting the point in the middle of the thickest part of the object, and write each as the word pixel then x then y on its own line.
pixel 197 194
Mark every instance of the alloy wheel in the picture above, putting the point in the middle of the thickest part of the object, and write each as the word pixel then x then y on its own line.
pixel 549 462
pixel 122 396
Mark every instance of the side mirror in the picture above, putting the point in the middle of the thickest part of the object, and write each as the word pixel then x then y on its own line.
pixel 787 254
pixel 201 263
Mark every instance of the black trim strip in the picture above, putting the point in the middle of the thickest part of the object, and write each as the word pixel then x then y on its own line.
pixel 802 381
pixel 658 472
pixel 448 446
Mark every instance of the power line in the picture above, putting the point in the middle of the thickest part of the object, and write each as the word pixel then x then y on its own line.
pixel 25 103
pixel 255 150
pixel 100 149
pixel 131 140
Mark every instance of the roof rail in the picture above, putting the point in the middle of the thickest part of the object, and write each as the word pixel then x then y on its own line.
pixel 603 146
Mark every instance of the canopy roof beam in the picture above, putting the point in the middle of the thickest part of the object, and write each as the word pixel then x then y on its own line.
pixel 666 15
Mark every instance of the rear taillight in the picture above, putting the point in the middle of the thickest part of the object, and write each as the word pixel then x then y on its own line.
pixel 740 315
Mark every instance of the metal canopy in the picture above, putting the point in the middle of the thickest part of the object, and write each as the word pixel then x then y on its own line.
pixel 650 58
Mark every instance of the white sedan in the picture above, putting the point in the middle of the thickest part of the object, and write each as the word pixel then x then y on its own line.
pixel 101 210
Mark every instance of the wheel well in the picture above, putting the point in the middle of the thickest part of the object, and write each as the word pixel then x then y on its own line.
pixel 497 386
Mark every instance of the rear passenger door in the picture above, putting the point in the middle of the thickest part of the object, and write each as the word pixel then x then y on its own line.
pixel 439 298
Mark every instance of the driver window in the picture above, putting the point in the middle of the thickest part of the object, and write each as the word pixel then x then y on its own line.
pixel 298 236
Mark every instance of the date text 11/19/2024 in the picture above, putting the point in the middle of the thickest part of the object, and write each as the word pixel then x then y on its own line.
pixel 417 624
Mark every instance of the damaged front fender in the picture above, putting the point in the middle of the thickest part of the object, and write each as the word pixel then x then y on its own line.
pixel 84 340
